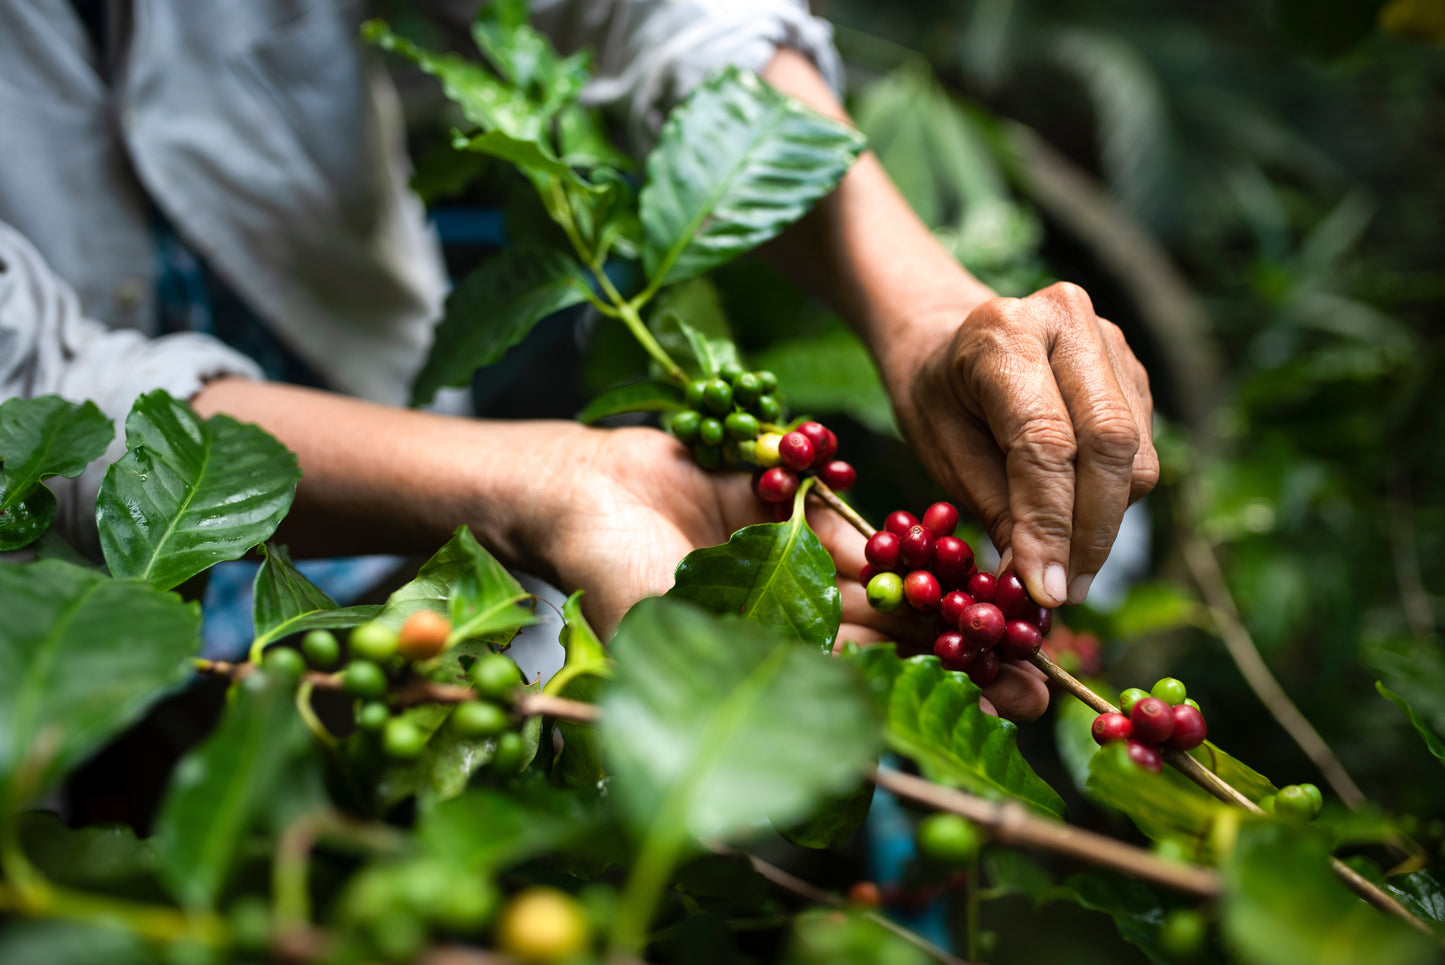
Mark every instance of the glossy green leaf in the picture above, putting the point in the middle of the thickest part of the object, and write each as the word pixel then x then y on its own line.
pixel 689 323
pixel 828 372
pixel 932 717
pixel 493 309
pixel 530 156
pixel 735 164
pixel 1166 804
pixel 1235 772
pixel 649 396
pixel 692 718
pixel 190 493
pixel 1414 668
pixel 1137 908
pixel 221 790
pixel 1423 892
pixel 776 574
pixel 582 138
pixel 81 657
pixel 822 937
pixel 832 823
pixel 1432 741
pixel 485 602
pixel 285 602
pixel 486 829
pixel 1074 737
pixel 587 665
pixel 26 519
pixel 526 58
pixel 1284 906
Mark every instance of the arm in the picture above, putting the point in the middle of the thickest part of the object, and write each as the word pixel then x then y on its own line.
pixel 1032 411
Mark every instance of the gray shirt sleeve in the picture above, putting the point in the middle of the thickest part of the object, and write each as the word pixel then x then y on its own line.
pixel 48 346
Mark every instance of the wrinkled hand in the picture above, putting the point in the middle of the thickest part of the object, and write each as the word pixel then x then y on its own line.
pixel 1037 415
pixel 633 504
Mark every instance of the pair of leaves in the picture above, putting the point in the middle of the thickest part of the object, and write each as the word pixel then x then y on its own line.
pixel 40 438
pixel 932 716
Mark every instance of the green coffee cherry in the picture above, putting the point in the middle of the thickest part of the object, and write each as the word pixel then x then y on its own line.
pixel 711 432
pixel 373 641
pixel 495 676
pixel 685 425
pixel 283 662
pixel 767 381
pixel 477 718
pixel 507 759
pixel 717 396
pixel 885 592
pixel 364 679
pixel 321 648
pixel 747 390
pixel 769 409
pixel 402 740
pixel 1183 931
pixel 695 393
pixel 1130 697
pixel 1296 804
pixel 741 425
pixel 1316 798
pixel 372 716
pixel 730 372
pixel 949 840
pixel 1170 690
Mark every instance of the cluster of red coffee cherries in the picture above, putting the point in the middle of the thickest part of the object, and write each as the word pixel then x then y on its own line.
pixel 1152 720
pixel 782 458
pixel 983 619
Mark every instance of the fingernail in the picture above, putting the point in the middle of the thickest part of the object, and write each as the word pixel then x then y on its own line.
pixel 1079 589
pixel 1055 582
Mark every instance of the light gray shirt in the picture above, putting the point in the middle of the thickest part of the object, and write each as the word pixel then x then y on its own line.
pixel 274 144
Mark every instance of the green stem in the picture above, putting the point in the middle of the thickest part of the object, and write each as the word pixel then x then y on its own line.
pixel 627 311
pixel 151 922
pixel 644 888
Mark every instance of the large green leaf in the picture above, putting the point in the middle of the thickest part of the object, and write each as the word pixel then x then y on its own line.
pixel 712 724
pixel 648 396
pixel 222 789
pixel 1166 804
pixel 81 657
pixel 101 857
pixel 487 829
pixel 736 163
pixel 776 574
pixel 486 602
pixel 286 602
pixel 39 438
pixel 190 493
pixel 1423 892
pixel 932 716
pixel 493 309
pixel 1136 907
pixel 533 157
pixel 579 763
pixel 1284 906
pixel 1432 741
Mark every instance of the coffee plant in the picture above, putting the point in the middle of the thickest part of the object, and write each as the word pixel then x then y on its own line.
pixel 383 786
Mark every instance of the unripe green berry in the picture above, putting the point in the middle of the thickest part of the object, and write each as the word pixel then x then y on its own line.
pixel 1130 697
pixel 364 679
pixel 711 432
pixel 686 424
pixel 708 457
pixel 767 380
pixel 769 409
pixel 729 371
pixel 507 758
pixel 402 740
pixel 717 396
pixel 321 648
pixel 1170 690
pixel 741 425
pixel 1316 798
pixel 495 676
pixel 885 592
pixel 947 839
pixel 1191 702
pixel 373 641
pixel 1295 803
pixel 1266 804
pixel 747 390
pixel 372 716
pixel 1183 931
pixel 477 718
pixel 695 391
pixel 283 662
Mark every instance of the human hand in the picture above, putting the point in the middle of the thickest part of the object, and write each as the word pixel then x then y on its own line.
pixel 1035 413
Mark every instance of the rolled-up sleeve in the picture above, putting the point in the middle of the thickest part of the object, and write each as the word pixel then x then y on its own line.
pixel 651 53
pixel 48 346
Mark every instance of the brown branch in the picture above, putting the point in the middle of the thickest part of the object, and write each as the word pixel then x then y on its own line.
pixel 1012 823
pixel 833 502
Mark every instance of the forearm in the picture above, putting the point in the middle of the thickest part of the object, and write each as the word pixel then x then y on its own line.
pixel 380 479
pixel 865 250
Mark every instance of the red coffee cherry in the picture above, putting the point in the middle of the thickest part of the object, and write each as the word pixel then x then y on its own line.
pixel 1153 720
pixel 916 549
pixel 865 894
pixel 900 521
pixel 922 590
pixel 985 668
pixel 952 605
pixel 818 435
pixel 866 572
pixel 1043 618
pixel 882 549
pixel 981 586
pixel 952 561
pixel 1012 597
pixel 954 652
pixel 775 485
pixel 1189 729
pixel 837 475
pixel 1021 640
pixel 982 625
pixel 796 451
pixel 1146 755
pixel 1111 727
pixel 941 519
